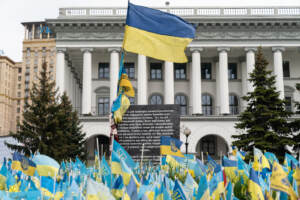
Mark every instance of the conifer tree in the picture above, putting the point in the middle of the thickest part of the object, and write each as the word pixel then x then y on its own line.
pixel 43 128
pixel 264 123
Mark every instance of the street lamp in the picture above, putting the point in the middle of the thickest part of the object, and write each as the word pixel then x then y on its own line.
pixel 187 132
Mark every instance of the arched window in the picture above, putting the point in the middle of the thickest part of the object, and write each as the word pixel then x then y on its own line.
pixel 156 99
pixel 207 104
pixel 233 104
pixel 182 101
pixel 102 101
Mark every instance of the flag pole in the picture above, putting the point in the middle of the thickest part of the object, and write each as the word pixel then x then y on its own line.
pixel 142 157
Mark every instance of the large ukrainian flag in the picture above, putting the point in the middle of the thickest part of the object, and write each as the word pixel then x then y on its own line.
pixel 170 146
pixel 157 34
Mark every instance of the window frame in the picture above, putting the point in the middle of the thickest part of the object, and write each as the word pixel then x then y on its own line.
pixel 156 95
pixel 156 66
pixel 106 100
pixel 105 75
pixel 179 67
pixel 207 109
pixel 129 66
pixel 204 64
pixel 236 71
pixel 181 104
pixel 233 107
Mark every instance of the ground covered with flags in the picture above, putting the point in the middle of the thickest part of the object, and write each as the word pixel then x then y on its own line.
pixel 176 177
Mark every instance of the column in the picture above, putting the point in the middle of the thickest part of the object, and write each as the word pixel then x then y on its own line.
pixel 250 61
pixel 244 83
pixel 87 81
pixel 25 32
pixel 169 83
pixel 195 83
pixel 223 81
pixel 33 31
pixel 142 80
pixel 41 34
pixel 278 70
pixel 60 70
pixel 114 72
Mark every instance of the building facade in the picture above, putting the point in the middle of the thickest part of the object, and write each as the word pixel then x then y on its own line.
pixel 38 47
pixel 208 88
pixel 8 100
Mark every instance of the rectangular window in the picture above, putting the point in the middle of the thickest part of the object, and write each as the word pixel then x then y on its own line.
pixel 18 102
pixel 103 72
pixel 180 71
pixel 286 69
pixel 35 69
pixel 44 51
pixel 28 52
pixel 18 110
pixel 19 70
pixel 156 71
pixel 19 78
pixel 130 70
pixel 26 86
pixel 27 78
pixel 26 94
pixel 232 71
pixel 103 105
pixel 19 94
pixel 19 86
pixel 206 71
pixel 27 70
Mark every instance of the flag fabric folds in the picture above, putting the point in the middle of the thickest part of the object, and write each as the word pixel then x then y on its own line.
pixel 280 182
pixel 122 103
pixel 157 34
pixel 254 186
pixel 23 164
pixel 123 155
pixel 170 146
pixel 45 165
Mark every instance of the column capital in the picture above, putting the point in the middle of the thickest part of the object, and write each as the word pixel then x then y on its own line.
pixel 86 50
pixel 281 49
pixel 196 49
pixel 221 49
pixel 249 49
pixel 61 49
pixel 114 49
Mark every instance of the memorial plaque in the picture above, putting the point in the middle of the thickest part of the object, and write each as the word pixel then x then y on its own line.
pixel 145 124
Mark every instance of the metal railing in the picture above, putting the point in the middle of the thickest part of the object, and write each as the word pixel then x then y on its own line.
pixel 249 12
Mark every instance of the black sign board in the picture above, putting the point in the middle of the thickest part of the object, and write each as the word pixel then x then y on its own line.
pixel 145 124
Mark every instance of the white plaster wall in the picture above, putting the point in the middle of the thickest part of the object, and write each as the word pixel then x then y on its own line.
pixel 91 128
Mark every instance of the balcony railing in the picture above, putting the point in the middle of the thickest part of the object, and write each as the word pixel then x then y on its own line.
pixel 188 12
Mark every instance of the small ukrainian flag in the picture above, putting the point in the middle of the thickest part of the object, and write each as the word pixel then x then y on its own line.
pixel 23 164
pixel 170 146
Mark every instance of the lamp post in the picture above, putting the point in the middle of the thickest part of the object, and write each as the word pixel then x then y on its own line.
pixel 187 133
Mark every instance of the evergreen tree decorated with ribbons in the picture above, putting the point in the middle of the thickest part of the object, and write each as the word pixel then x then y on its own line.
pixel 264 122
pixel 49 125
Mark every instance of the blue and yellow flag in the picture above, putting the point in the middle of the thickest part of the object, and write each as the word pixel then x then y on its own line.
pixel 45 165
pixel 254 186
pixel 123 155
pixel 170 146
pixel 23 164
pixel 280 182
pixel 122 103
pixel 178 192
pixel 230 168
pixel 157 34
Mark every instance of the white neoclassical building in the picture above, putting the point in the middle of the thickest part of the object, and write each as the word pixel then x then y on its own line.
pixel 208 88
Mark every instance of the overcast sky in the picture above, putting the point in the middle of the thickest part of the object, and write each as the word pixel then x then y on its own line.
pixel 13 12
